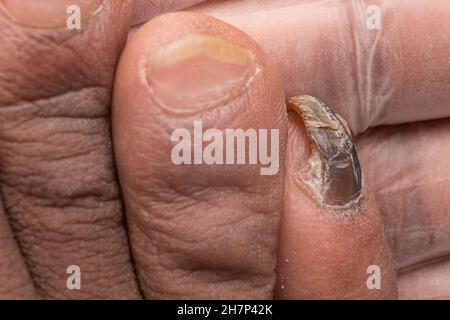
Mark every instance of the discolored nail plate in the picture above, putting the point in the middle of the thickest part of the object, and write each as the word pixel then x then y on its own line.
pixel 332 174
pixel 48 13
pixel 199 72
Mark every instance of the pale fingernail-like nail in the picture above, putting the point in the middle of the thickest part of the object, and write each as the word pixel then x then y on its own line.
pixel 50 13
pixel 199 72
pixel 332 173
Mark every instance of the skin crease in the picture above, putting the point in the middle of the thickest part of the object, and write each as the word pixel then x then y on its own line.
pixel 12 265
pixel 57 178
pixel 414 199
pixel 369 83
pixel 147 9
pixel 402 232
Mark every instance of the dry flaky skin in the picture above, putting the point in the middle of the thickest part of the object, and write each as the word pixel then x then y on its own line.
pixel 332 173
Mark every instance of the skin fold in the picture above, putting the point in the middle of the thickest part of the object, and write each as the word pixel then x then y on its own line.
pixel 86 176
pixel 58 182
pixel 413 197
pixel 323 48
pixel 147 9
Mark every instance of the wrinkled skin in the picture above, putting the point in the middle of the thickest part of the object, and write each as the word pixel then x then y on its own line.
pixel 168 232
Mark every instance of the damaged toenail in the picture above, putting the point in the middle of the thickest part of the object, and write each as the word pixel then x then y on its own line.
pixel 332 173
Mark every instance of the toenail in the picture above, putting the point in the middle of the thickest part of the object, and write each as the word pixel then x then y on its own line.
pixel 199 72
pixel 332 174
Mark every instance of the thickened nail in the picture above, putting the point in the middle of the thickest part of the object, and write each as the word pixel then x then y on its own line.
pixel 199 72
pixel 49 13
pixel 333 173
